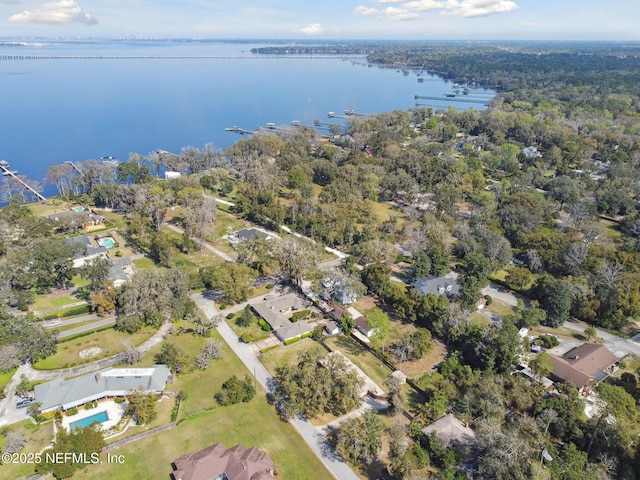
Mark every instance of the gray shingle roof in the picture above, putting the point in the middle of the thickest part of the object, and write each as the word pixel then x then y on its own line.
pixel 111 382
pixel 446 285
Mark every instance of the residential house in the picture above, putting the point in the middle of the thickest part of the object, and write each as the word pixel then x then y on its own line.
pixel 460 144
pixel 583 365
pixel 82 216
pixel 364 328
pixel 272 311
pixel 114 382
pixel 531 152
pixel 250 234
pixel 332 328
pixel 446 285
pixel 121 271
pixel 218 463
pixel 450 430
pixel 90 251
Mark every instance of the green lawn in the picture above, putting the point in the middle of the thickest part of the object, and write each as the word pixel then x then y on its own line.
pixel 252 424
pixel 384 211
pixel 253 331
pixel 43 301
pixel 287 355
pixel 110 341
pixel 144 264
pixel 5 377
pixel 611 229
pixel 360 356
pixel 37 436
pixel 500 308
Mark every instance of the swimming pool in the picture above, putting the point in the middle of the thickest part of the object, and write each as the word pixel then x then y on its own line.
pixel 108 242
pixel 99 417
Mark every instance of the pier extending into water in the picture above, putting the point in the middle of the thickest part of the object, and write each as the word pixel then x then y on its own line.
pixel 4 166
pixel 452 99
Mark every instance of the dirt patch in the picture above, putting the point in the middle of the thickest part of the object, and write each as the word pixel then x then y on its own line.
pixel 364 304
pixel 59 292
pixel 427 363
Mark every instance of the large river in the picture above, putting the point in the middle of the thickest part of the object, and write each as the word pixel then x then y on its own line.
pixel 144 96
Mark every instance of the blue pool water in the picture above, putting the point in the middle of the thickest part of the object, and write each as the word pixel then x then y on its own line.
pixel 99 417
pixel 107 242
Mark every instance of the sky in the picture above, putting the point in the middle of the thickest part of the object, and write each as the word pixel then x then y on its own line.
pixel 325 19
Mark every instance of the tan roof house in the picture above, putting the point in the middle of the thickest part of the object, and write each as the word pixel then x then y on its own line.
pixel 451 430
pixel 218 463
pixel 583 364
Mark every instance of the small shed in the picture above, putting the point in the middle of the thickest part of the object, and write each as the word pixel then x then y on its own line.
pixel 332 328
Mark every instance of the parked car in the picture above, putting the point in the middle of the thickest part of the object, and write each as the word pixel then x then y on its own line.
pixel 24 403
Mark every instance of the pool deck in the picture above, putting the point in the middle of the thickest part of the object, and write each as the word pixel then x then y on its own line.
pixel 114 410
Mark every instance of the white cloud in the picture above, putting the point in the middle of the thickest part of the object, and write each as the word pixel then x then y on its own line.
pixel 478 8
pixel 366 11
pixel 55 13
pixel 460 8
pixel 10 2
pixel 313 29
pixel 394 13
pixel 423 5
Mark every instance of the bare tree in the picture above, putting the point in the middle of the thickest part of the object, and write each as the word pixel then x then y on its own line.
pixel 213 350
pixel 295 258
pixel 9 357
pixel 14 442
pixel 534 260
pixel 131 354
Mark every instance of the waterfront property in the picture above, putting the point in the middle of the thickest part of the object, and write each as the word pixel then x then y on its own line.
pixel 114 382
pixel 218 463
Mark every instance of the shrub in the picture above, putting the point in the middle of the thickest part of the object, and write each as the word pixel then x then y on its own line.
pixel 230 315
pixel 119 400
pixel 223 306
pixel 264 325
pixel 291 340
pixel 235 390
pixel 72 411
pixel 269 286
pixel 299 315
pixel 489 299
pixel 547 341
pixel 118 253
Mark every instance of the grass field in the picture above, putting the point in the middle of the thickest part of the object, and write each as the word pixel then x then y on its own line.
pixel 5 378
pixel 110 341
pixel 37 437
pixel 46 300
pixel 360 356
pixel 611 229
pixel 252 424
pixel 287 355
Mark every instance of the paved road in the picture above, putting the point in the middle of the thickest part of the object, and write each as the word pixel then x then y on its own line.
pixel 9 414
pixel 206 245
pixel 309 433
pixel 101 322
pixel 620 347
pixel 496 291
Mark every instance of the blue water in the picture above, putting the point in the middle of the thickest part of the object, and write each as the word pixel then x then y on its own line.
pixel 55 110
pixel 99 417
pixel 107 242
